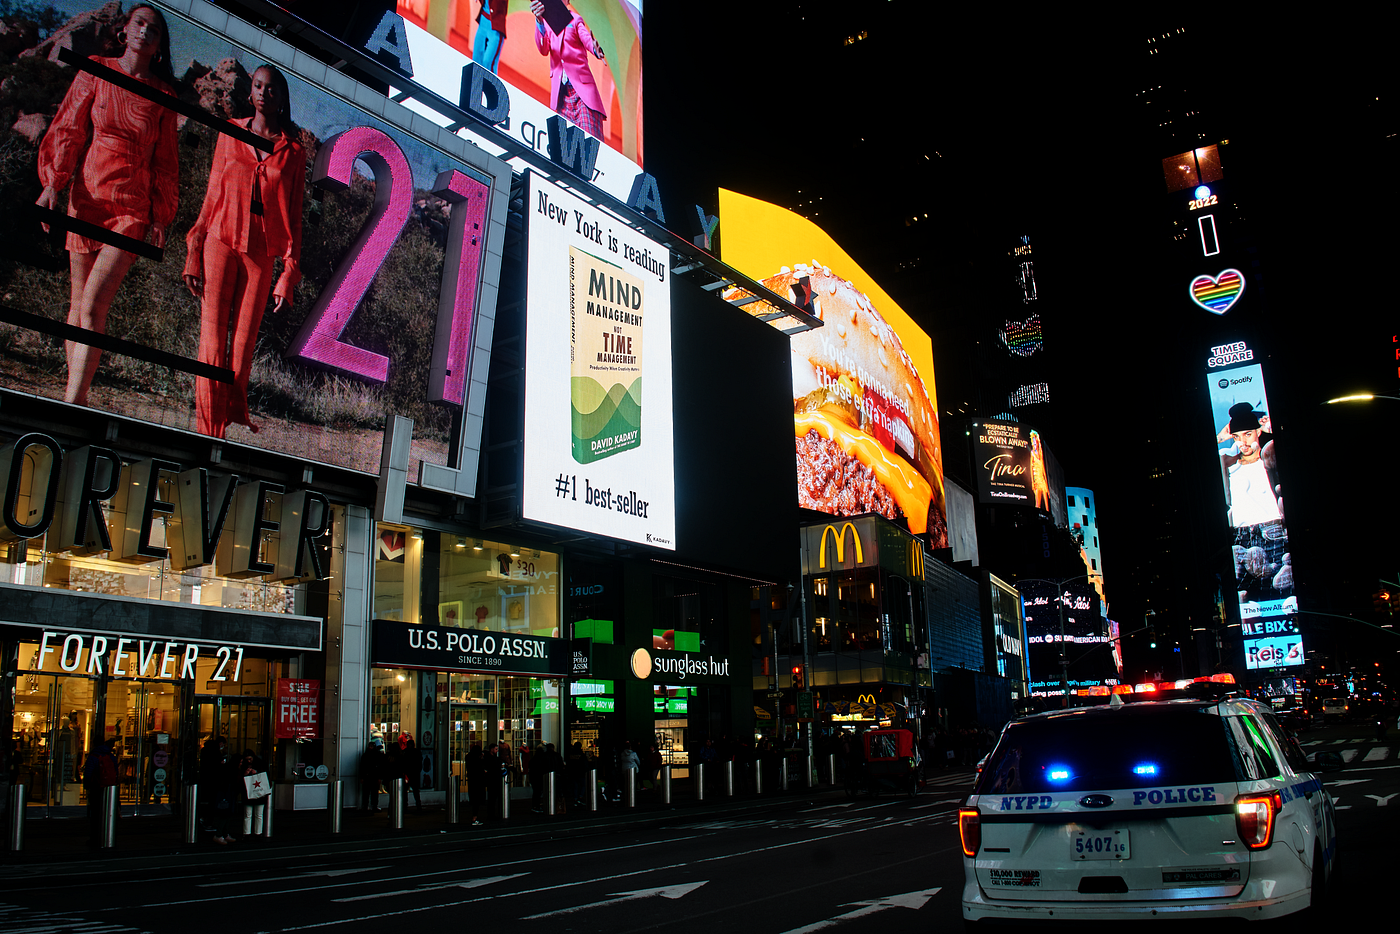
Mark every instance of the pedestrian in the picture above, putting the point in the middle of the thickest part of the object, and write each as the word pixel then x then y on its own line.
pixel 392 767
pixel 228 793
pixel 576 769
pixel 211 780
pixel 412 762
pixel 371 767
pixel 557 768
pixel 478 784
pixel 99 774
pixel 535 766
pixel 627 761
pixel 253 808
pixel 655 761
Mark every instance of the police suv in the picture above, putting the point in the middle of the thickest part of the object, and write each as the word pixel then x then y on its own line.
pixel 1177 808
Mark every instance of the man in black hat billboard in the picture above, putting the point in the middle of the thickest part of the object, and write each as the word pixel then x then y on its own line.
pixel 1250 467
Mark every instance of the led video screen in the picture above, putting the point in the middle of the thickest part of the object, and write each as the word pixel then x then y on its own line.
pixel 1254 499
pixel 1011 468
pixel 1272 643
pixel 599 448
pixel 234 250
pixel 1084 642
pixel 865 412
pixel 583 60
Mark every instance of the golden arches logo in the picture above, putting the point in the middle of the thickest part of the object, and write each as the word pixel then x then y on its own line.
pixel 916 560
pixel 840 538
pixel 865 699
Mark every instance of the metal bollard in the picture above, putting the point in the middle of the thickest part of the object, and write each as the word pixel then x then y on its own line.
pixel 700 782
pixel 17 797
pixel 454 788
pixel 831 767
pixel 505 796
pixel 631 787
pixel 783 775
pixel 729 778
pixel 396 804
pixel 268 809
pixel 758 776
pixel 549 793
pixel 811 771
pixel 334 804
pixel 593 789
pixel 109 817
pixel 665 784
pixel 191 803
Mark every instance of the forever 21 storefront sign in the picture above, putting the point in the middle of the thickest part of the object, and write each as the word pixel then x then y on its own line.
pixel 397 644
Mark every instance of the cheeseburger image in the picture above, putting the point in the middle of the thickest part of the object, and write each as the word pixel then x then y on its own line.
pixel 866 430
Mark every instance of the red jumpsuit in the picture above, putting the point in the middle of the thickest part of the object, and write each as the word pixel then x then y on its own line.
pixel 232 248
pixel 128 177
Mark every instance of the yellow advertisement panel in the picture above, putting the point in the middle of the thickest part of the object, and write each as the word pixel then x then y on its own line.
pixel 865 411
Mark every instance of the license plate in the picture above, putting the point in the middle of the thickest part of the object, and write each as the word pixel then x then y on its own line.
pixel 1101 844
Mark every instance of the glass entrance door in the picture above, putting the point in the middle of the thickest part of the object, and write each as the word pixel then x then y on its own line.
pixel 242 721
pixel 142 723
pixel 55 726
pixel 468 726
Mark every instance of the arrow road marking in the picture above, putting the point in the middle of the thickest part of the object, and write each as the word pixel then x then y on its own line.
pixel 669 891
pixel 1380 802
pixel 469 884
pixel 914 900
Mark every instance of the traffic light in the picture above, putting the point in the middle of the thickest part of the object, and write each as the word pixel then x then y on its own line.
pixel 1383 601
pixel 798 680
pixel 1151 637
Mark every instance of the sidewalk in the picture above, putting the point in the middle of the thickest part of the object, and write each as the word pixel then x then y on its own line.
pixel 55 840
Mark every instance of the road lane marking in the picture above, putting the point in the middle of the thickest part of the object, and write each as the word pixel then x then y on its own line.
pixel 418 875
pixel 565 885
pixel 1380 802
pixel 670 891
pixel 469 884
pixel 914 900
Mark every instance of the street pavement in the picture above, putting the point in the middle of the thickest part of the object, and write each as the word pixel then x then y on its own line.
pixel 791 864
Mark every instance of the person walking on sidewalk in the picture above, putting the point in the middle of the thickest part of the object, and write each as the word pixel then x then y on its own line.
pixel 371 768
pixel 99 774
pixel 253 808
pixel 412 762
pixel 478 785
pixel 537 767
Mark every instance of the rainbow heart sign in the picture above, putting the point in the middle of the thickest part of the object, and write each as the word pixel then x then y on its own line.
pixel 1217 295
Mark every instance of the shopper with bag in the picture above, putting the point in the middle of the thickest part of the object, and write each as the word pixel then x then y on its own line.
pixel 254 788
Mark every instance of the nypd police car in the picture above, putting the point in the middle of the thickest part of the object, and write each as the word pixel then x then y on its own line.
pixel 1171 809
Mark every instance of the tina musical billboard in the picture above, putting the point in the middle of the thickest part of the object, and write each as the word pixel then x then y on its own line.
pixel 1010 458
pixel 230 247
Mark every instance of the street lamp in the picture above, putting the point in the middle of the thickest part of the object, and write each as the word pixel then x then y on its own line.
pixel 1360 397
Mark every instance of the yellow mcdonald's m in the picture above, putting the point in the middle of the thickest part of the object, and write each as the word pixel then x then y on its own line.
pixel 840 538
pixel 865 699
pixel 916 560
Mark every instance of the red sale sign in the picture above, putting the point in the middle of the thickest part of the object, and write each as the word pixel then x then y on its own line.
pixel 298 710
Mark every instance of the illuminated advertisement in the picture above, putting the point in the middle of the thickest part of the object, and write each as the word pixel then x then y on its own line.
pixel 238 251
pixel 1083 642
pixel 1218 294
pixel 865 412
pixel 1272 643
pixel 599 454
pixel 1254 505
pixel 582 60
pixel 1010 458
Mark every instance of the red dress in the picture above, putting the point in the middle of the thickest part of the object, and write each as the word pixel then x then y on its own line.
pixel 128 177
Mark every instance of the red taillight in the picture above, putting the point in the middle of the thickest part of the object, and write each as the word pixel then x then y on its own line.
pixel 970 830
pixel 1254 815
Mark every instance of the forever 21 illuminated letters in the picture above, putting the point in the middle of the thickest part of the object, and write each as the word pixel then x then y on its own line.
pixel 396 248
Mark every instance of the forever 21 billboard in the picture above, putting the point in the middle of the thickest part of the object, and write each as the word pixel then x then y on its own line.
pixel 287 258
pixel 396 644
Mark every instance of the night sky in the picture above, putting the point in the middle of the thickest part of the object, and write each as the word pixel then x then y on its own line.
pixel 997 125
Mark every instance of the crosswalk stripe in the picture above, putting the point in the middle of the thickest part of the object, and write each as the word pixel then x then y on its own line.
pixel 1349 754
pixel 1377 754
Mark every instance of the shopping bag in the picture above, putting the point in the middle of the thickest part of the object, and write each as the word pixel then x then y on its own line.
pixel 257 786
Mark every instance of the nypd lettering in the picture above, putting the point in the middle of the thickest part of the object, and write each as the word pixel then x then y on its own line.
pixel 1027 803
pixel 1197 795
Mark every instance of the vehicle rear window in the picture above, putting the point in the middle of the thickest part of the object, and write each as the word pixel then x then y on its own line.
pixel 1143 749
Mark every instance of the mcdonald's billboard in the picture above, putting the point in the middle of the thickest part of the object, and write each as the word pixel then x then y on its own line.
pixel 862 542
pixel 840 545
